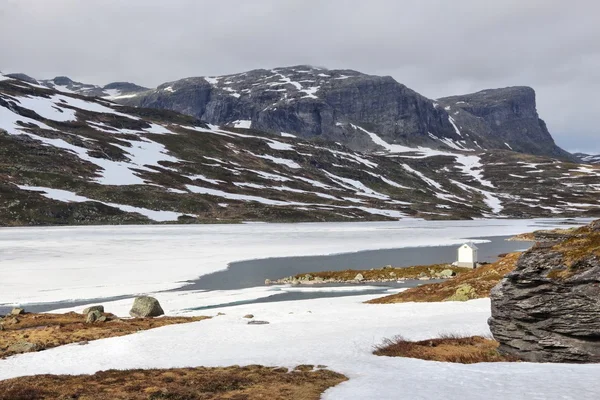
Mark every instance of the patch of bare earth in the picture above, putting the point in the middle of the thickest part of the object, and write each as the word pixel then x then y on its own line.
pixel 35 332
pixel 474 284
pixel 456 349
pixel 247 383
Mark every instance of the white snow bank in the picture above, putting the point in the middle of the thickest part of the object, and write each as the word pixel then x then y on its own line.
pixel 70 197
pixel 339 333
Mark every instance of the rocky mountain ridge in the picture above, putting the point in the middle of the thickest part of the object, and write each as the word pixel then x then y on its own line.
pixel 588 158
pixel 70 159
pixel 343 106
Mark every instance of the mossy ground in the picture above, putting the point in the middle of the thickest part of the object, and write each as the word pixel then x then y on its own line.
pixel 386 273
pixel 247 383
pixel 448 348
pixel 51 330
pixel 474 284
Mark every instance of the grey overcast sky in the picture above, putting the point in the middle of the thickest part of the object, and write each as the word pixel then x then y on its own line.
pixel 436 47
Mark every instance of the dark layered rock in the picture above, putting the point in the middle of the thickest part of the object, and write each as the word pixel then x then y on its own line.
pixel 548 308
pixel 308 102
pixel 504 119
pixel 330 104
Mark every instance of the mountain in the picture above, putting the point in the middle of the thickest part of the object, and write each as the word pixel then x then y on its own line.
pixel 64 84
pixel 588 158
pixel 70 159
pixel 330 104
pixel 503 118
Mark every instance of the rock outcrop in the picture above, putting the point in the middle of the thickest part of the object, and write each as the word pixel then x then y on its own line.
pixel 503 119
pixel 146 306
pixel 548 308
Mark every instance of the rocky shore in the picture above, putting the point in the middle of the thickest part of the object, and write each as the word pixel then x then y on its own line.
pixel 374 275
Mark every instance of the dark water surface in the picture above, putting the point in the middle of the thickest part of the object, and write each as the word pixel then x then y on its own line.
pixel 245 274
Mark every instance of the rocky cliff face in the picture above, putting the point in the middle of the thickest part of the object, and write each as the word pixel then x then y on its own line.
pixel 503 118
pixel 308 102
pixel 548 308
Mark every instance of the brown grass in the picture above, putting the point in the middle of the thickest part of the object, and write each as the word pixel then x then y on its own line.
pixel 544 234
pixel 385 273
pixel 247 383
pixel 456 349
pixel 480 281
pixel 586 244
pixel 52 330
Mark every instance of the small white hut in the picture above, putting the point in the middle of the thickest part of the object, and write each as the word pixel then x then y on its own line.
pixel 467 255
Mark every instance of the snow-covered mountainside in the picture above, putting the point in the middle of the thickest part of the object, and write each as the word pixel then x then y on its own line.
pixel 69 159
pixel 112 91
pixel 588 158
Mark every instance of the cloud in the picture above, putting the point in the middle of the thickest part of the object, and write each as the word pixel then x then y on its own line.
pixel 436 47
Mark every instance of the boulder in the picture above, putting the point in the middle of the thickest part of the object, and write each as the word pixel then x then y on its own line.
pixel 548 308
pixel 23 347
pixel 359 277
pixel 93 308
pixel 94 316
pixel 249 316
pixel 463 293
pixel 447 273
pixel 17 311
pixel 146 306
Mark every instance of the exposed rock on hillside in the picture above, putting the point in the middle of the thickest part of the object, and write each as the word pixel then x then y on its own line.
pixel 344 106
pixel 503 118
pixel 548 308
pixel 308 102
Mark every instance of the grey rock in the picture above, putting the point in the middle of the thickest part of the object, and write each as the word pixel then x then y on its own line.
pixel 99 308
pixel 447 273
pixel 494 117
pixel 541 318
pixel 146 306
pixel 258 322
pixel 23 347
pixel 93 316
pixel 17 311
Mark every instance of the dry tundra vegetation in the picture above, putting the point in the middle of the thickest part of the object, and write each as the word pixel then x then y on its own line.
pixel 447 348
pixel 35 332
pixel 377 274
pixel 474 284
pixel 234 383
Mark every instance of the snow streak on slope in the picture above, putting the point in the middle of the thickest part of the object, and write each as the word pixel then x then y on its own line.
pixel 70 197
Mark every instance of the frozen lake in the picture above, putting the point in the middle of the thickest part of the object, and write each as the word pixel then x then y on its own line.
pixel 44 265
